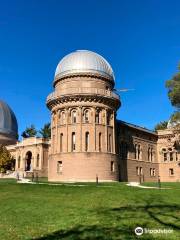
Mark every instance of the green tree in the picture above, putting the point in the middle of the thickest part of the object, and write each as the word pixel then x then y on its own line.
pixel 29 132
pixel 175 117
pixel 46 131
pixel 7 162
pixel 161 126
pixel 173 86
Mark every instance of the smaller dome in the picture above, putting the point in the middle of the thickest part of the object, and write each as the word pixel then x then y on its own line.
pixel 84 61
pixel 8 121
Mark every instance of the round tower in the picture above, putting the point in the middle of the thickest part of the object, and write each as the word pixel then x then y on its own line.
pixel 83 107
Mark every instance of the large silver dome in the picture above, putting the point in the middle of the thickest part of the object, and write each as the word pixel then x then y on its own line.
pixel 84 61
pixel 8 122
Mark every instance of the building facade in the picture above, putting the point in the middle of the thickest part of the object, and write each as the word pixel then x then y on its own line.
pixel 87 141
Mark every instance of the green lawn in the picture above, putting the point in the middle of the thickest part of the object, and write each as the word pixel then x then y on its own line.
pixel 106 211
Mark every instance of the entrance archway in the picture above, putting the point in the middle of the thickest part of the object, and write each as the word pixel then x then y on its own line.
pixel 28 161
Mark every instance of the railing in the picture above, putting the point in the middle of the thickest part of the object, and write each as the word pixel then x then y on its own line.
pixel 71 91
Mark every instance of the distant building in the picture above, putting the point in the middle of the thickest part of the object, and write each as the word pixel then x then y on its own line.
pixel 87 142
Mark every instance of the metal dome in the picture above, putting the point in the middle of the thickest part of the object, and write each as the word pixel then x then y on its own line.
pixel 84 61
pixel 8 121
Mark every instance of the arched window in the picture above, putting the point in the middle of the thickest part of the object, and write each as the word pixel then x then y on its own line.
pixel 19 162
pixel 100 142
pixel 135 151
pixel 73 115
pixel 86 141
pixel 165 156
pixel 63 117
pixel 139 151
pixel 86 116
pixel 171 156
pixel 98 117
pixel 108 118
pixel 37 160
pixel 61 142
pixel 73 142
pixel 151 154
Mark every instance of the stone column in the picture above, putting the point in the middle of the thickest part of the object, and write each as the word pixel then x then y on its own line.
pixel 106 135
pixel 94 126
pixel 66 115
pixel 80 120
pixel 56 138
pixel 114 133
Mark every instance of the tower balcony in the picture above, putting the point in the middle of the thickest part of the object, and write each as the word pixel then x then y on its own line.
pixel 82 91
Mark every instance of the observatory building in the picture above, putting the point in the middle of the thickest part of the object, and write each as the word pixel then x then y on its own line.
pixel 87 141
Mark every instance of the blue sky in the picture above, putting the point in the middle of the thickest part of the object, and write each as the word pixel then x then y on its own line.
pixel 140 39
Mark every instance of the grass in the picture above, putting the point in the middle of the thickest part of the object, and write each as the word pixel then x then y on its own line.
pixel 107 211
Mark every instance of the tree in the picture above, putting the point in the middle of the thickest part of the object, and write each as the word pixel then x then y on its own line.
pixel 161 126
pixel 46 131
pixel 7 162
pixel 175 120
pixel 29 132
pixel 175 117
pixel 173 86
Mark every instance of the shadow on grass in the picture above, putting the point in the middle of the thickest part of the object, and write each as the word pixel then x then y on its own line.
pixel 119 223
pixel 91 232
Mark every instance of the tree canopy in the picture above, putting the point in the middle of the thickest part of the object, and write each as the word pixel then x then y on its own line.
pixel 29 132
pixel 173 86
pixel 7 162
pixel 46 131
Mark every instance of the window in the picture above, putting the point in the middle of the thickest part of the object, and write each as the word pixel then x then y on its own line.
pixel 86 116
pixel 74 116
pixel 112 166
pixel 135 151
pixel 97 117
pixel 171 172
pixel 137 171
pixel 61 142
pixel 139 151
pixel 19 162
pixel 152 154
pixel 141 171
pixel 73 141
pixel 152 172
pixel 59 167
pixel 86 141
pixel 63 118
pixel 37 161
pixel 149 155
pixel 171 156
pixel 100 141
pixel 165 157
pixel 110 143
pixel 108 118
